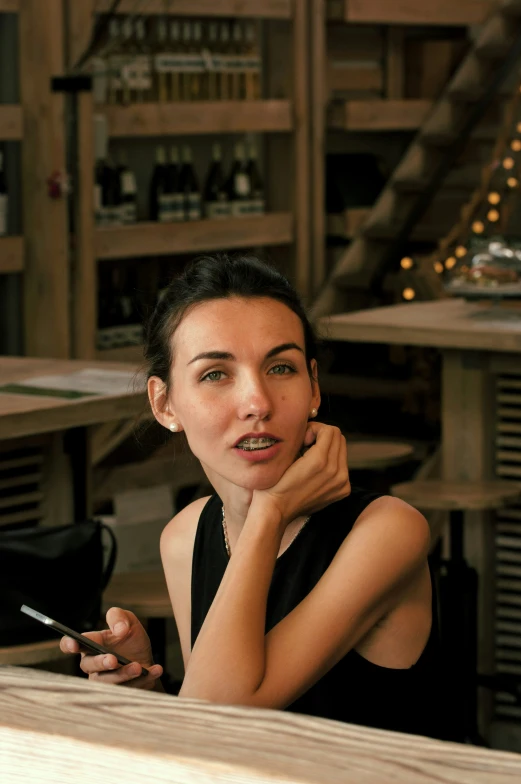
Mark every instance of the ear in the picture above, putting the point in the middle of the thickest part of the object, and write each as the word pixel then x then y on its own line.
pixel 316 399
pixel 158 398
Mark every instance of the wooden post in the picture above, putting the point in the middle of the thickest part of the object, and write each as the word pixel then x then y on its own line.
pixel 395 65
pixel 317 37
pixel 46 278
pixel 301 200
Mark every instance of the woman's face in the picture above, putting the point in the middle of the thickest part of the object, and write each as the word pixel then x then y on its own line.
pixel 240 374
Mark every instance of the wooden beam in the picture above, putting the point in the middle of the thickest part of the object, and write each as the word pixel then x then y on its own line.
pixel 347 224
pixel 46 281
pixel 261 9
pixel 9 6
pixel 80 18
pixel 166 239
pixel 354 77
pixel 379 115
pixel 318 47
pixel 11 255
pixel 411 12
pixel 10 123
pixel 198 117
pixel 395 64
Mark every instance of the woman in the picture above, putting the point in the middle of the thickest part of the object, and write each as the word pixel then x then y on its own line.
pixel 290 589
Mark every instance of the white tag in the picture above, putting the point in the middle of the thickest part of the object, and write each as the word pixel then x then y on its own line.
pixel 3 214
pixel 128 183
pixel 242 184
pixel 146 504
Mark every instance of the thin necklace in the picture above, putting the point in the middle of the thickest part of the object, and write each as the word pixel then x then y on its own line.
pixel 227 541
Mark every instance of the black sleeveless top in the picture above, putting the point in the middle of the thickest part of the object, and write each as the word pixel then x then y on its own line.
pixel 354 690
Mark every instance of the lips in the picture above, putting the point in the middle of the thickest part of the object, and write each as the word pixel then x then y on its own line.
pixel 247 436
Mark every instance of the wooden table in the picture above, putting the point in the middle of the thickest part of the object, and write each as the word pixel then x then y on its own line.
pixel 63 427
pixel 479 343
pixel 113 734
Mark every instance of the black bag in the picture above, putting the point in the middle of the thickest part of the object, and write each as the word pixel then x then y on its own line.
pixel 58 571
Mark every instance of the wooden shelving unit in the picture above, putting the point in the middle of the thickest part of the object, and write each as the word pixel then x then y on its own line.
pixel 198 117
pixel 9 6
pixel 10 123
pixel 11 255
pixel 283 116
pixel 381 115
pixel 346 224
pixel 409 12
pixel 163 239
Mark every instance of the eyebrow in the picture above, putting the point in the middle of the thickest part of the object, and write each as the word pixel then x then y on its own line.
pixel 227 356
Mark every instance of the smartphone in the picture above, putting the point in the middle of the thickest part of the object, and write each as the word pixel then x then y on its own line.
pixel 89 645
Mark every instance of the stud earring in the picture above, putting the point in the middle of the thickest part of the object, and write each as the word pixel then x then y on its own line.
pixel 174 427
pixel 313 413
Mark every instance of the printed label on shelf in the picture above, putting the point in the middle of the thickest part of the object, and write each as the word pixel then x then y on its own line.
pixel 239 208
pixel 129 212
pixel 3 214
pixel 233 63
pixel 217 209
pixel 177 207
pixel 165 208
pixel 180 63
pixel 193 206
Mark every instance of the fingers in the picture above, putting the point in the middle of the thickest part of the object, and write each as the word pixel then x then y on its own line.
pixel 105 669
pixel 68 645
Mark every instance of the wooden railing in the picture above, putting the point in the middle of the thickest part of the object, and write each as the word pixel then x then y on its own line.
pixel 61 729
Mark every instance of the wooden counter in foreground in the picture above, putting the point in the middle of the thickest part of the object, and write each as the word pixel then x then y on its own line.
pixel 63 729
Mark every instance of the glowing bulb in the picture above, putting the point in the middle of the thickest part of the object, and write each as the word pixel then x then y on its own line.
pixel 509 163
pixel 406 263
pixel 478 227
pixel 460 251
pixel 438 266
pixel 512 182
pixel 450 262
pixel 515 145
pixel 494 198
pixel 408 294
pixel 493 216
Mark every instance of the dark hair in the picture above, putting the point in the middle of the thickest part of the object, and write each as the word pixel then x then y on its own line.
pixel 217 277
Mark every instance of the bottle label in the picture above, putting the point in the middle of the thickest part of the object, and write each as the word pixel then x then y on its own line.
pixel 193 206
pixel 128 183
pixel 233 63
pixel 137 74
pixel 217 209
pixel 3 214
pixel 240 208
pixel 178 207
pixel 179 63
pixel 129 212
pixel 165 212
pixel 242 184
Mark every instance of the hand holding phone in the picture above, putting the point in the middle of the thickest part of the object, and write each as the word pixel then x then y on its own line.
pixel 120 654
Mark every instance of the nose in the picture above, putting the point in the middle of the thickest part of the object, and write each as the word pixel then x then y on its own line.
pixel 255 401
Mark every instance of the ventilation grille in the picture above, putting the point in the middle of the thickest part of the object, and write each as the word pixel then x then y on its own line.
pixel 21 482
pixel 508 542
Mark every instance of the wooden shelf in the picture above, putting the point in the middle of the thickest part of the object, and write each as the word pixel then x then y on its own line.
pixel 11 255
pixel 9 6
pixel 126 354
pixel 261 9
pixel 410 12
pixel 164 239
pixel 10 122
pixel 346 224
pixel 198 117
pixel 379 115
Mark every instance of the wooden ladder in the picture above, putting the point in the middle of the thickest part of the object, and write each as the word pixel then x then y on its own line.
pixel 389 222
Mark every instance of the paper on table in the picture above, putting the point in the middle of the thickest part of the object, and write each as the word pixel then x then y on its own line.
pixel 94 381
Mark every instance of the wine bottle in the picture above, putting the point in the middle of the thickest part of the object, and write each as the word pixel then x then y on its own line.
pixel 128 190
pixel 216 204
pixel 142 65
pixel 115 62
pixel 127 58
pixel 175 68
pixel 161 63
pixel 212 62
pixel 107 188
pixel 160 203
pixel 239 188
pixel 186 49
pixel 177 200
pixel 252 64
pixel 197 62
pixel 236 75
pixel 257 199
pixel 190 187
pixel 224 74
pixel 4 198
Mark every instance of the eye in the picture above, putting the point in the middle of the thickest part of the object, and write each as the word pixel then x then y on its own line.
pixel 213 375
pixel 282 370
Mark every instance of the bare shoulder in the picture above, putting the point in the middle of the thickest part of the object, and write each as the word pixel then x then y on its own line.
pixel 388 517
pixel 177 538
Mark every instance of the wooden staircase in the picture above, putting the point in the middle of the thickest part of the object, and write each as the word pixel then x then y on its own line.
pixel 368 255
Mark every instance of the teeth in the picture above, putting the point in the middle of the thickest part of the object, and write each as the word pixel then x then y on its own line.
pixel 250 444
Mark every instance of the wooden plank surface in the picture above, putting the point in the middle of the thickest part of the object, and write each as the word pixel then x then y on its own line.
pixel 264 9
pixel 22 415
pixel 10 122
pixel 446 323
pixel 347 224
pixel 158 239
pixel 318 47
pixel 411 12
pixel 11 254
pixel 9 6
pixel 198 117
pixel 379 115
pixel 113 734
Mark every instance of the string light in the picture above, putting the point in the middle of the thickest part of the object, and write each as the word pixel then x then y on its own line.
pixel 512 182
pixel 406 263
pixel 493 216
pixel 509 163
pixel 408 294
pixel 438 266
pixel 460 251
pixel 450 262
pixel 516 145
pixel 494 197
pixel 478 227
